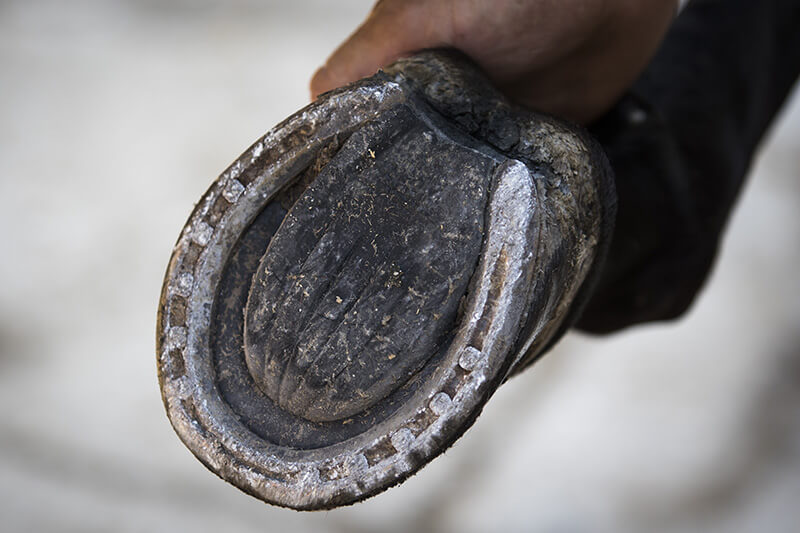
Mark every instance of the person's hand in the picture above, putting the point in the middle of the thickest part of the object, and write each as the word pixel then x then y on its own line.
pixel 572 58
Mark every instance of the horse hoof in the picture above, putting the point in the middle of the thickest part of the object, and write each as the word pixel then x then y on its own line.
pixel 350 292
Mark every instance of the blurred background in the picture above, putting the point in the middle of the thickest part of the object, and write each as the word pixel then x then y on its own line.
pixel 116 116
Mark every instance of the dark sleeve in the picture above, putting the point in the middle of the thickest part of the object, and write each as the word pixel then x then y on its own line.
pixel 680 144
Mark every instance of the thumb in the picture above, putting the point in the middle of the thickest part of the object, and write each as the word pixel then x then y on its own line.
pixel 392 30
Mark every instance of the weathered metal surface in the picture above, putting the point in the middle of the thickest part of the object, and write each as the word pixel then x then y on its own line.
pixel 349 293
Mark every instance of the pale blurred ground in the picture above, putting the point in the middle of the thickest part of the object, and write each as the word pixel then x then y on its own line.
pixel 115 117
